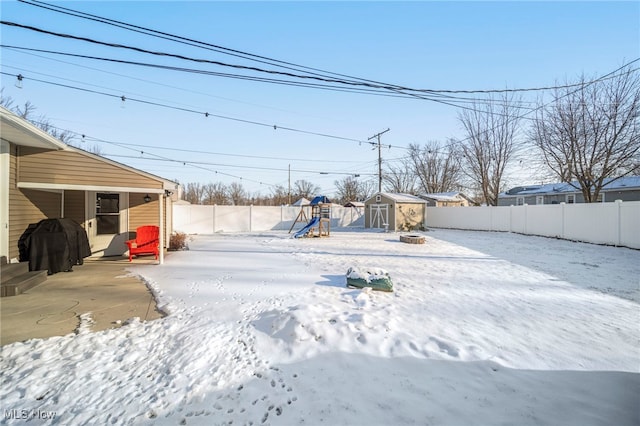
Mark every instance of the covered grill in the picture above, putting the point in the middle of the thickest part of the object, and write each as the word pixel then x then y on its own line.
pixel 55 245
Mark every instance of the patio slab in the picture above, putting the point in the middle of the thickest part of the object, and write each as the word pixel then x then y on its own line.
pixel 100 286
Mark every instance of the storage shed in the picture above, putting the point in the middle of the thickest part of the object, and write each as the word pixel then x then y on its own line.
pixel 395 212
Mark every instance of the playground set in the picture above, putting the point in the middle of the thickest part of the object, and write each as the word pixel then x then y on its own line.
pixel 320 223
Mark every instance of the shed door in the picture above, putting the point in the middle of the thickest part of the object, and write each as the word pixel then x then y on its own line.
pixel 378 215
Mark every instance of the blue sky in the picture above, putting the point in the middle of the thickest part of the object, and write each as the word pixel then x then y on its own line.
pixel 429 45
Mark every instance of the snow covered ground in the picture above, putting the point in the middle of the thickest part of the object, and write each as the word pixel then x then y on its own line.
pixel 482 328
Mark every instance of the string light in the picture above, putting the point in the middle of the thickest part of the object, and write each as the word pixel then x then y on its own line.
pixel 19 78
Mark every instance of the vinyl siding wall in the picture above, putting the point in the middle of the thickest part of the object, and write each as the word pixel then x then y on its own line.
pixel 141 213
pixel 73 168
pixel 27 206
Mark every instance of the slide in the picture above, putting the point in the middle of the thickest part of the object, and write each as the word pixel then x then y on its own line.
pixel 303 231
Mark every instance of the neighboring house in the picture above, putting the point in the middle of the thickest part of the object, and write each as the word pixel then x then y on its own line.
pixel 355 204
pixel 625 189
pixel 42 178
pixel 446 199
pixel 395 212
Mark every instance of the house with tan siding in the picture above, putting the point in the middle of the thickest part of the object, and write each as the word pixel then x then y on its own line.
pixel 41 178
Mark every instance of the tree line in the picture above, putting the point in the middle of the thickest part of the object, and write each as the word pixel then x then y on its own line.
pixel 587 134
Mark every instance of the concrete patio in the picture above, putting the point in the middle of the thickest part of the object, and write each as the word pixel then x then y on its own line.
pixel 100 286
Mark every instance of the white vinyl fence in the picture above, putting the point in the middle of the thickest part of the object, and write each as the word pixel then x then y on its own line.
pixel 197 219
pixel 616 223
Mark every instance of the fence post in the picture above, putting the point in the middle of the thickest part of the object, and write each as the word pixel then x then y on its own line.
pixel 213 218
pixel 525 218
pixel 250 217
pixel 511 218
pixel 563 219
pixel 619 220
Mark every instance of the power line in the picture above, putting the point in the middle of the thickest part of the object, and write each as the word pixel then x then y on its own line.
pixel 198 164
pixel 270 61
pixel 360 83
pixel 202 113
pixel 207 163
pixel 456 102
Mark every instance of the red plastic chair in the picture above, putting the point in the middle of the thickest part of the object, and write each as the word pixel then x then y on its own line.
pixel 147 241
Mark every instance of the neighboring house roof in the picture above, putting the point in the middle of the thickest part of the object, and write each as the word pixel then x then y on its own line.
pixel 624 183
pixel 400 198
pixel 354 204
pixel 444 196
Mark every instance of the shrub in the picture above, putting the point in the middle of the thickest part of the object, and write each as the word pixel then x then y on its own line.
pixel 178 241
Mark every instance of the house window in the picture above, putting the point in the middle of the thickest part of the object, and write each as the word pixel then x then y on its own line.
pixel 600 198
pixel 378 198
pixel 107 213
pixel 520 201
pixel 571 198
pixel 540 199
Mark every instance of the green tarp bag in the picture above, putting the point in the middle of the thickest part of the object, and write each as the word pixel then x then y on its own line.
pixel 376 278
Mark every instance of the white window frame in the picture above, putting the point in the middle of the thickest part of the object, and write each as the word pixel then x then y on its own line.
pixel 539 200
pixel 570 198
pixel 519 201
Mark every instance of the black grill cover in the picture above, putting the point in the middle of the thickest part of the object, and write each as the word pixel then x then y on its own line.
pixel 56 245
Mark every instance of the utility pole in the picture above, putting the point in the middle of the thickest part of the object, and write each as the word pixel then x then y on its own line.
pixel 289 184
pixel 379 158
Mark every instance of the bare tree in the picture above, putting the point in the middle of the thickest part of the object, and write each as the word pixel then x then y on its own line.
pixel 347 189
pixel 6 101
pixel 437 168
pixel 401 178
pixel 215 193
pixel 490 143
pixel 193 193
pixel 26 112
pixel 306 189
pixel 280 196
pixel 237 194
pixel 367 188
pixel 591 134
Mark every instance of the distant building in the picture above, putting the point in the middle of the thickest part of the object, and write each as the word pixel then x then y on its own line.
pixel 625 189
pixel 446 199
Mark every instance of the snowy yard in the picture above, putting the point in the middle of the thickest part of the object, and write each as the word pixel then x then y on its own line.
pixel 482 328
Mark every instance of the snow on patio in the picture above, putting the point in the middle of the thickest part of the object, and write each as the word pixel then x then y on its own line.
pixel 482 328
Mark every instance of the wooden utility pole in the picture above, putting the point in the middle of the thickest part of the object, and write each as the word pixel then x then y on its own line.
pixel 379 158
pixel 289 193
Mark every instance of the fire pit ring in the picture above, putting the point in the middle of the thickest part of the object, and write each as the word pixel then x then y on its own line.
pixel 412 239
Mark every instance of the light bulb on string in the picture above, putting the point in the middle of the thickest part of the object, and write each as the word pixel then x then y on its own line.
pixel 19 78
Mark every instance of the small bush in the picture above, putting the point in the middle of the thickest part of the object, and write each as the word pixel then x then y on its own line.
pixel 178 241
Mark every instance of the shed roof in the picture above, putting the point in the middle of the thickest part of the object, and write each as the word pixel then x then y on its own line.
pixel 400 198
